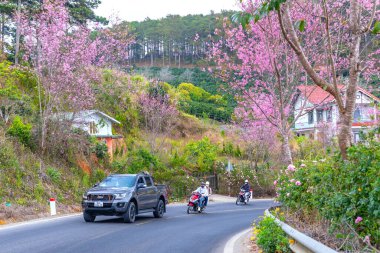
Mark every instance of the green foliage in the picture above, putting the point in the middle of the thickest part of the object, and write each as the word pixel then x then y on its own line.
pixel 204 98
pixel 39 191
pixel 270 237
pixel 202 154
pixel 8 158
pixel 98 175
pixel 376 28
pixel 54 174
pixel 114 97
pixel 101 150
pixel 196 101
pixel 306 148
pixel 260 178
pixel 341 191
pixel 13 82
pixel 143 160
pixel 20 130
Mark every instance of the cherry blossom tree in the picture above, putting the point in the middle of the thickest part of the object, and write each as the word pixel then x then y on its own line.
pixel 343 34
pixel 159 115
pixel 263 72
pixel 65 58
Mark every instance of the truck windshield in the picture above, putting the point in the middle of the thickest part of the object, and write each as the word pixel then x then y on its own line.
pixel 123 181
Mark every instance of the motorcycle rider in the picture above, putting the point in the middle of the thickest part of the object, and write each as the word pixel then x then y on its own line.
pixel 246 188
pixel 202 190
pixel 209 192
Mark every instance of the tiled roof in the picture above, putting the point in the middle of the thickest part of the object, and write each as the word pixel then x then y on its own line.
pixel 316 95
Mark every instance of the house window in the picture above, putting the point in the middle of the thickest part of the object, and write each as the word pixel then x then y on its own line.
pixel 93 128
pixel 319 115
pixel 357 115
pixel 356 137
pixel 311 117
pixel 329 114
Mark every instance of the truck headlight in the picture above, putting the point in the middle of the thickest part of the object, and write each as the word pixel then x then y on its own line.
pixel 84 196
pixel 120 195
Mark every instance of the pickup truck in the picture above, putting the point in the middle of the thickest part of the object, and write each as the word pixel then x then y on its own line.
pixel 125 195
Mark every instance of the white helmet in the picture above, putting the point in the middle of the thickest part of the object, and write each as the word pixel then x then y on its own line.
pixel 246 181
pixel 207 183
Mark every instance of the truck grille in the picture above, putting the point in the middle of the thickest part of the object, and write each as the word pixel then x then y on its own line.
pixel 100 197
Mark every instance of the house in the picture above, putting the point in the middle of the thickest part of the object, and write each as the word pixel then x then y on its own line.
pixel 320 116
pixel 95 123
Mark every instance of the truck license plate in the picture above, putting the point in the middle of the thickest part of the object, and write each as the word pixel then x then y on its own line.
pixel 98 204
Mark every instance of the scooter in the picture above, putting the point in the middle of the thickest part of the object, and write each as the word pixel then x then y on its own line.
pixel 192 206
pixel 243 197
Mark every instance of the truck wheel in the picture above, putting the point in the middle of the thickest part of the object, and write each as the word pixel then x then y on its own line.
pixel 130 214
pixel 159 212
pixel 88 217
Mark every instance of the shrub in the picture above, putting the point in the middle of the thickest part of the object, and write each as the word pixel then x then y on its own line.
pixel 202 154
pixel 101 150
pixel 54 175
pixel 98 176
pixel 270 237
pixel 344 192
pixel 20 130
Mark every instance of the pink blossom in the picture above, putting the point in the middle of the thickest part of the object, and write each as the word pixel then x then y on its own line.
pixel 298 183
pixel 358 219
pixel 275 182
pixel 303 165
pixel 292 180
pixel 291 167
pixel 367 240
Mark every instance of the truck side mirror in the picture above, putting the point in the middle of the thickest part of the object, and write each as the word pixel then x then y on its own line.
pixel 96 184
pixel 141 185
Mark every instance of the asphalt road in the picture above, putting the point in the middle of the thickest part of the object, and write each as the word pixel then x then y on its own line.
pixel 177 232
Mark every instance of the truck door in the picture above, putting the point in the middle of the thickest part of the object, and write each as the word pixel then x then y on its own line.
pixel 152 192
pixel 142 194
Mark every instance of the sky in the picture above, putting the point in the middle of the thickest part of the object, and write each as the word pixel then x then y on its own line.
pixel 138 10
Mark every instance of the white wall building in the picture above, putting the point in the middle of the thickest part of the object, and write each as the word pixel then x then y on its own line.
pixel 95 123
pixel 320 116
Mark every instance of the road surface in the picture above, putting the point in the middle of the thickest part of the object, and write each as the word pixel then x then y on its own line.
pixel 177 232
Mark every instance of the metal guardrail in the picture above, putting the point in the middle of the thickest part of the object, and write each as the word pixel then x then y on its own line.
pixel 304 243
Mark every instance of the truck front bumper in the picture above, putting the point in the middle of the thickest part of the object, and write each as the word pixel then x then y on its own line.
pixel 109 208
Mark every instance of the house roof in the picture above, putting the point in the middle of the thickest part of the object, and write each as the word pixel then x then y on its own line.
pixel 369 94
pixel 316 95
pixel 84 113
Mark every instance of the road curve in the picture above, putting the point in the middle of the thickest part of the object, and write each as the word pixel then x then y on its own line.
pixel 177 232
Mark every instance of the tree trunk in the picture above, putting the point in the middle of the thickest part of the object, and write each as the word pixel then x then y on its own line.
pixel 344 134
pixel 286 152
pixel 2 32
pixel 17 45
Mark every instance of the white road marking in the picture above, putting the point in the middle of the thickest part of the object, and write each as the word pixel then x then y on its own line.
pixel 229 247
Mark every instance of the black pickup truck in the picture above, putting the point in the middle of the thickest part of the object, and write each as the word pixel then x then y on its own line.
pixel 125 195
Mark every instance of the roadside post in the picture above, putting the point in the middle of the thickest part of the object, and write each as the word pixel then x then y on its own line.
pixel 53 210
pixel 251 191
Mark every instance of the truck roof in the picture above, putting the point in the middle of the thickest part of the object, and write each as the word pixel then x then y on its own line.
pixel 123 175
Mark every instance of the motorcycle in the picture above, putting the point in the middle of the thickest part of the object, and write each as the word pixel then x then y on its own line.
pixel 243 197
pixel 192 206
